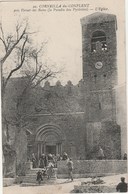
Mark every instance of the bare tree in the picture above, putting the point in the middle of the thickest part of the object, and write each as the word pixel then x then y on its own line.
pixel 28 61
pixel 20 41
pixel 11 42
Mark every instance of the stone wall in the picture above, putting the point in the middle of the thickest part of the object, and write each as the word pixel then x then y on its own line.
pixel 8 182
pixel 121 115
pixel 88 168
pixel 105 134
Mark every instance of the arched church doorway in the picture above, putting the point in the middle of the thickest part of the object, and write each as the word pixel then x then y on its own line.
pixel 49 139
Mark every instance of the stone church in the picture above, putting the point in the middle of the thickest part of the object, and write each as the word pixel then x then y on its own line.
pixel 85 116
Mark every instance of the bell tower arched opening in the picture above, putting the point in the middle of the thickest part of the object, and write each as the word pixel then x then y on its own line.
pixel 98 41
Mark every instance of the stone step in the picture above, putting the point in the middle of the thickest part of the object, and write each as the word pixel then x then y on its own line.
pixel 32 181
pixel 46 181
pixel 30 184
pixel 35 169
pixel 32 177
pixel 28 176
pixel 32 174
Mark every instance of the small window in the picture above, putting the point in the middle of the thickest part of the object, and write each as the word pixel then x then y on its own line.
pixel 98 42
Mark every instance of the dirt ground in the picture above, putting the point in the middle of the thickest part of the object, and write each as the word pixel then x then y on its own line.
pixel 62 186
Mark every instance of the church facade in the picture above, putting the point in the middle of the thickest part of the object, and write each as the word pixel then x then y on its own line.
pixel 78 119
pixel 81 133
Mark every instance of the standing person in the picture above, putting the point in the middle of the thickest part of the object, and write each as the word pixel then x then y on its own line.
pixel 122 186
pixel 70 169
pixel 42 161
pixel 50 169
pixel 100 154
pixel 125 156
pixel 34 161
pixel 46 161
pixel 55 161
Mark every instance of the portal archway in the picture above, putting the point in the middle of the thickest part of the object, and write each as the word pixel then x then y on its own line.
pixel 49 139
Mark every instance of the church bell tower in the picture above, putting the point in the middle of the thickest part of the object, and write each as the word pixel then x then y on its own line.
pixel 99 54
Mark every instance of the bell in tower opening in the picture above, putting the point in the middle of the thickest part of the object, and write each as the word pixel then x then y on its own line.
pixel 99 54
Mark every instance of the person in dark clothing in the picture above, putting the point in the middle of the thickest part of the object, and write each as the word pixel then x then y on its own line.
pixel 122 186
pixel 42 161
pixel 46 161
pixel 39 177
pixel 44 172
pixel 125 156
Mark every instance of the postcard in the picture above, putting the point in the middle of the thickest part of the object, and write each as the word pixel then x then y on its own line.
pixel 63 96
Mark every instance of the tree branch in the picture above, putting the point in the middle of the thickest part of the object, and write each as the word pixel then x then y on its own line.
pixel 13 46
pixel 21 63
pixel 49 74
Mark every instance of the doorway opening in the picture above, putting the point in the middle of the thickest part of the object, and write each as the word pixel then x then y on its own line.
pixel 50 149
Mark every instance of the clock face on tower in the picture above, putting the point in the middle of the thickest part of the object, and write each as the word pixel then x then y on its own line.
pixel 98 65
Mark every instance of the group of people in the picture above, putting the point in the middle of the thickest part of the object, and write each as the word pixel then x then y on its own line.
pixel 45 172
pixel 47 163
pixel 44 159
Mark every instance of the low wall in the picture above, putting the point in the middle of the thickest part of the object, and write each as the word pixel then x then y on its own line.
pixel 88 168
pixel 8 181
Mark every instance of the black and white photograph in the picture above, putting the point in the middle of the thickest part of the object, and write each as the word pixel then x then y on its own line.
pixel 63 96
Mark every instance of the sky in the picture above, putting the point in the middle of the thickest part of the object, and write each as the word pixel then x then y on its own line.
pixel 62 30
